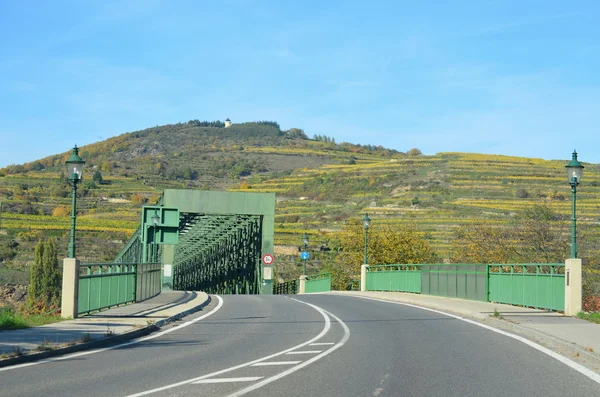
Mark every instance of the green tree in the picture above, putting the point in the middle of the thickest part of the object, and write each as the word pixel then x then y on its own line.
pixel 535 236
pixel 386 245
pixel 45 278
pixel 483 243
pixel 52 274
pixel 97 177
pixel 539 230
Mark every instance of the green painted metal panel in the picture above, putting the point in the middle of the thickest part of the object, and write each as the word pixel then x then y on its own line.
pixel 465 281
pixel 318 283
pixel 167 229
pixel 399 278
pixel 533 285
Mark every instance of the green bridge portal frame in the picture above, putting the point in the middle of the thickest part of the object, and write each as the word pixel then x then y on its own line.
pixel 222 238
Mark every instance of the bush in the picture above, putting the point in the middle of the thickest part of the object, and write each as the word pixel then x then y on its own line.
pixel 521 193
pixel 414 152
pixel 60 211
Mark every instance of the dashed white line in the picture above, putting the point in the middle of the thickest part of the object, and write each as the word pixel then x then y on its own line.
pixel 229 380
pixel 264 382
pixel 267 363
pixel 323 332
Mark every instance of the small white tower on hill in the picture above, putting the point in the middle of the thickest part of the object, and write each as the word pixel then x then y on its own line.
pixel 227 122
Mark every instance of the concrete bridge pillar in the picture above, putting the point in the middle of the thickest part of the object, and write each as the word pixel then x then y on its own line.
pixel 70 288
pixel 363 277
pixel 573 292
pixel 302 284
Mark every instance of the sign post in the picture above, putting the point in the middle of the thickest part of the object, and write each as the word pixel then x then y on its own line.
pixel 267 274
pixel 304 255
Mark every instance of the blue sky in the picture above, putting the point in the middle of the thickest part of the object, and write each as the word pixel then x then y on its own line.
pixel 505 77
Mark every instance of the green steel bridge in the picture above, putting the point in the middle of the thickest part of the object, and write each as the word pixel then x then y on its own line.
pixel 207 240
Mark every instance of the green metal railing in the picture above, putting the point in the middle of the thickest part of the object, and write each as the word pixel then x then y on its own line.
pixel 405 278
pixel 314 283
pixel 105 285
pixel 318 283
pixel 465 281
pixel 533 285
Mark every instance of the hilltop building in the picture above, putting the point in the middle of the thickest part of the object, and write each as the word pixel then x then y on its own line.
pixel 227 122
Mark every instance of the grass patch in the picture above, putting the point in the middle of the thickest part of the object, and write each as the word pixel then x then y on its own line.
pixel 593 317
pixel 10 319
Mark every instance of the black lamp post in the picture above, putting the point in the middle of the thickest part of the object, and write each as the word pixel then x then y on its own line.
pixel 574 173
pixel 305 245
pixel 366 221
pixel 74 169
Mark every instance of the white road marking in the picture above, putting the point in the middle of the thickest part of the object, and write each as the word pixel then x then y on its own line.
pixel 322 344
pixel 305 352
pixel 133 342
pixel 323 332
pixel 229 380
pixel 577 367
pixel 267 363
pixel 304 364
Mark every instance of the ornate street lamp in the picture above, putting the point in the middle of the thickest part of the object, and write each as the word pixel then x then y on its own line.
pixel 574 173
pixel 305 245
pixel 75 175
pixel 155 219
pixel 366 221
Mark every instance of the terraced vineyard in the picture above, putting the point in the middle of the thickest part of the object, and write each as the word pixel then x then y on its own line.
pixel 318 187
pixel 437 193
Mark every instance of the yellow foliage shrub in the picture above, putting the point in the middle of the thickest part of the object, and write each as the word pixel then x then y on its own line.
pixel 60 211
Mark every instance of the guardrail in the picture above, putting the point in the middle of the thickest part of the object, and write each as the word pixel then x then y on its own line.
pixel 318 283
pixel 105 285
pixel 405 278
pixel 286 288
pixel 533 285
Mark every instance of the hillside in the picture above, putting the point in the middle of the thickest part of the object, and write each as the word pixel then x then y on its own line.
pixel 319 184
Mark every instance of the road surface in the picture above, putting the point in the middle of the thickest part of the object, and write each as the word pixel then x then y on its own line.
pixel 307 345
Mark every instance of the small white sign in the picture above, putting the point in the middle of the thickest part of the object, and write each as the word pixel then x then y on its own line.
pixel 167 270
pixel 267 273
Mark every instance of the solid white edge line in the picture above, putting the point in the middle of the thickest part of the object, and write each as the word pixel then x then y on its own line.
pixel 304 364
pixel 228 380
pixel 565 360
pixel 269 363
pixel 133 342
pixel 326 329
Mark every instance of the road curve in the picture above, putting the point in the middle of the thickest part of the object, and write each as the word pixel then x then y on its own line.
pixel 309 345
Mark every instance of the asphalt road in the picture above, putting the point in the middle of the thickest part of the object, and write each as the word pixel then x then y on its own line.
pixel 330 345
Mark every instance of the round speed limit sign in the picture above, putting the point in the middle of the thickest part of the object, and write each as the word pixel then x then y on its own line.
pixel 268 259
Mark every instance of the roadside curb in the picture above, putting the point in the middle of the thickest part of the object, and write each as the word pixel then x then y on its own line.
pixel 574 351
pixel 100 343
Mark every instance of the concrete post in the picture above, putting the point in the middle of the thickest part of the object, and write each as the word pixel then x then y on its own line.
pixel 70 288
pixel 363 277
pixel 302 286
pixel 573 293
